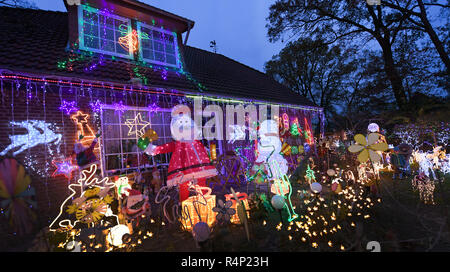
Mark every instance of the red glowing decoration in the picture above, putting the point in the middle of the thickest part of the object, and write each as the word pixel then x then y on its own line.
pixel 64 168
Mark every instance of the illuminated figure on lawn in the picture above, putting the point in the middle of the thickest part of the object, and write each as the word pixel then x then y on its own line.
pixel 190 160
pixel 269 148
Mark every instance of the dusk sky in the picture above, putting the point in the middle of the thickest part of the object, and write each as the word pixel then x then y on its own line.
pixel 238 26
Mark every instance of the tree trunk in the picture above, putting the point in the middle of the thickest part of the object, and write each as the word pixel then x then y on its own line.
pixel 393 75
pixel 433 36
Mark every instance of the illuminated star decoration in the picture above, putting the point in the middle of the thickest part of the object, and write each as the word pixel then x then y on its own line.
pixel 64 167
pixel 80 117
pixel 119 107
pixel 68 107
pixel 96 106
pixel 134 123
pixel 153 108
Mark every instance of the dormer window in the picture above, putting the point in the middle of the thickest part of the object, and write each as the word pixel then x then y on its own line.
pixel 101 32
pixel 157 45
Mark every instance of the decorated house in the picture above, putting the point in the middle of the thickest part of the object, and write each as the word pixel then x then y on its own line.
pixel 90 86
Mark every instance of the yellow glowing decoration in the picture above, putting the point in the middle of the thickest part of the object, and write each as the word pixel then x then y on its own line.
pixel 198 210
pixel 130 41
pixel 368 148
pixel 134 123
pixel 213 151
pixel 242 197
pixel 86 210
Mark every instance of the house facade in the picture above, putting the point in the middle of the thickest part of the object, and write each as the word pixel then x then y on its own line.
pixel 111 70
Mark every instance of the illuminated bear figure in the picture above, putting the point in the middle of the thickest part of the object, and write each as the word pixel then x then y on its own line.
pixel 190 160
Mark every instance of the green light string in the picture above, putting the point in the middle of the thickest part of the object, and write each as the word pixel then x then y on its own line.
pixel 288 203
pixel 310 174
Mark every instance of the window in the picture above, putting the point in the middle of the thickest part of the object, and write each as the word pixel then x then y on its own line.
pixel 121 133
pixel 100 31
pixel 157 45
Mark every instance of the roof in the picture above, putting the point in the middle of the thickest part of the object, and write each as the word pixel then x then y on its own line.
pixel 35 42
pixel 145 6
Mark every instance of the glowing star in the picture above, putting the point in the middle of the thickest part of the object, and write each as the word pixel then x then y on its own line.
pixel 153 108
pixel 39 132
pixel 96 106
pixel 134 123
pixel 64 167
pixel 68 107
pixel 80 118
pixel 84 129
pixel 119 107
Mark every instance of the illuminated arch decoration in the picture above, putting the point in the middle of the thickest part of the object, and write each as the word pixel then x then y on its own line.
pixel 83 204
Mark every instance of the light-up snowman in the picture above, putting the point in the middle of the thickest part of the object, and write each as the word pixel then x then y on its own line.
pixel 190 160
pixel 269 148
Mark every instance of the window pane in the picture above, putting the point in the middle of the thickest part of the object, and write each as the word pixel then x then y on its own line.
pixel 147 44
pixel 168 38
pixel 146 54
pixel 111 131
pixel 170 48
pixel 121 151
pixel 101 25
pixel 130 161
pixel 109 117
pixel 113 162
pixel 91 17
pixel 157 35
pixel 112 146
pixel 160 57
pixel 121 50
pixel 91 30
pixel 107 45
pixel 130 146
pixel 106 22
pixel 171 59
pixel 159 46
pixel 90 42
pixel 107 34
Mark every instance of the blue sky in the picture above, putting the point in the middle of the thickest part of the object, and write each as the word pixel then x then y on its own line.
pixel 238 26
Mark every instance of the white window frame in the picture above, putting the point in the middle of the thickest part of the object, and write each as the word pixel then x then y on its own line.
pixel 81 8
pixel 175 38
pixel 123 167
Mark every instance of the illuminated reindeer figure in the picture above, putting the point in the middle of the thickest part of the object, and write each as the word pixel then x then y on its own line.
pixel 39 132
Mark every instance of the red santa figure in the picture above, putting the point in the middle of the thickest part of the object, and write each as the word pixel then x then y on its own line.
pixel 190 160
